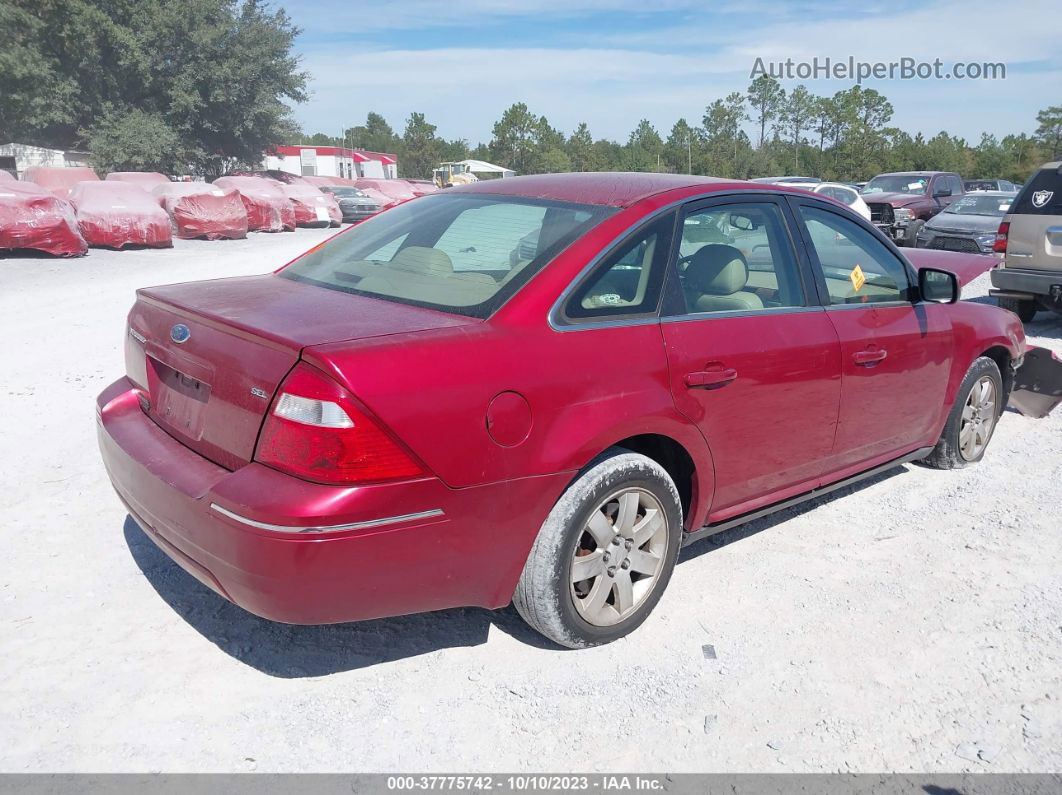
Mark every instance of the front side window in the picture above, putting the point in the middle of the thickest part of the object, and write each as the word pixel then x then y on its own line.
pixel 459 253
pixel 857 267
pixel 737 257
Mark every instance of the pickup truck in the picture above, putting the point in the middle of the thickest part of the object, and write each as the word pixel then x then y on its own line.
pixel 901 202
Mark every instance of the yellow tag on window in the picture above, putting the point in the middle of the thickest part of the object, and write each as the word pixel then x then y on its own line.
pixel 858 278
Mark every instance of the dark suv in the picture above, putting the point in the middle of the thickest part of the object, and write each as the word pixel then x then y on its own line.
pixel 900 203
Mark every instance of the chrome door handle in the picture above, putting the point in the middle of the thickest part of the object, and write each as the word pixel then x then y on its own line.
pixel 869 358
pixel 706 379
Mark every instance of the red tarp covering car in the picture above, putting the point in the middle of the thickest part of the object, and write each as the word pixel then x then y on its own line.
pixel 313 207
pixel 144 179
pixel 59 180
pixel 197 209
pixel 33 217
pixel 117 214
pixel 5 176
pixel 268 209
pixel 397 190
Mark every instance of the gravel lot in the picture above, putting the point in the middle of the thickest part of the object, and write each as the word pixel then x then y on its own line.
pixel 911 624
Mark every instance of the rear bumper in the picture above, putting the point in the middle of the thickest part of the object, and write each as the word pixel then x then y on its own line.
pixel 400 548
pixel 1017 282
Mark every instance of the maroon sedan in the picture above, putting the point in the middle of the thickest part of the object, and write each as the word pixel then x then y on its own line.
pixel 536 390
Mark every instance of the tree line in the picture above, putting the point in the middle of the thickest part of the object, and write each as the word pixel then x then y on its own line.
pixel 196 86
pixel 845 137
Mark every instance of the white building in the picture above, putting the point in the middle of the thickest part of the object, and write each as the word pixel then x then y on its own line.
pixel 332 161
pixel 16 158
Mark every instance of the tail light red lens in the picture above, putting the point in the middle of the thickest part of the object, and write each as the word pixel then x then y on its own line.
pixel 317 431
pixel 999 245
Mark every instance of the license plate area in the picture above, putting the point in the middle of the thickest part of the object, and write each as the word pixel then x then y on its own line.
pixel 178 400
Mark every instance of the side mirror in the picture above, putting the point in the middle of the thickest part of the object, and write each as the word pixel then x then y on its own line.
pixel 938 287
pixel 941 192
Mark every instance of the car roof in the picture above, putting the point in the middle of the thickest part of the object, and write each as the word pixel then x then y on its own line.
pixel 910 173
pixel 998 193
pixel 608 188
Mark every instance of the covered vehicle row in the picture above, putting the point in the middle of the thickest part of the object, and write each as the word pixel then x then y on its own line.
pixel 63 211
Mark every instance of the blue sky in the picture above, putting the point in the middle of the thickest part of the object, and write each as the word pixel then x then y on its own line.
pixel 612 62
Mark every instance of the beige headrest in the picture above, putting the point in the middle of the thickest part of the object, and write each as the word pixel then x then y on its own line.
pixel 423 260
pixel 717 270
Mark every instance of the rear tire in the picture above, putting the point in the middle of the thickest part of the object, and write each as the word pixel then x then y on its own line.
pixel 620 525
pixel 1023 308
pixel 973 418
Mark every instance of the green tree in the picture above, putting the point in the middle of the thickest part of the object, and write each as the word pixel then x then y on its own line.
pixel 683 147
pixel 375 135
pixel 644 148
pixel 515 140
pixel 796 116
pixel 1049 133
pixel 580 148
pixel 767 98
pixel 136 141
pixel 420 148
pixel 218 74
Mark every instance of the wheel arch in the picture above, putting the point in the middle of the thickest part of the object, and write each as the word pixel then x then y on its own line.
pixel 1001 356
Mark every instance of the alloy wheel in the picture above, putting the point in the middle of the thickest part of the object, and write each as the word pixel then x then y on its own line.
pixel 619 557
pixel 978 418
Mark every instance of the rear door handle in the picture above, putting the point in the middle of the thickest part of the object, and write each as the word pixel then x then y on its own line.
pixel 869 358
pixel 705 379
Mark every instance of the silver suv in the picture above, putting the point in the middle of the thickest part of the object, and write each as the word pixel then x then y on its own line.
pixel 1030 237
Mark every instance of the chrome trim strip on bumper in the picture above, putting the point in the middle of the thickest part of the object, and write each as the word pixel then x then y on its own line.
pixel 137 335
pixel 369 523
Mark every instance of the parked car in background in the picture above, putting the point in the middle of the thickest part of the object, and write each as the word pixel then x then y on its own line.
pixel 59 180
pixel 354 203
pixel 143 179
pixel 845 194
pixel 32 217
pixel 117 214
pixel 900 203
pixel 353 437
pixel 268 209
pixel 968 224
pixel 201 210
pixel 1004 185
pixel 313 207
pixel 796 182
pixel 1030 239
pixel 397 190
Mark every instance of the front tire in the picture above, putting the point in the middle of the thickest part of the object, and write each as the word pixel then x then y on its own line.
pixel 605 553
pixel 913 228
pixel 973 418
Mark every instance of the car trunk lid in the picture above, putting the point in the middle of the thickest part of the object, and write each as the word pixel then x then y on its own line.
pixel 211 354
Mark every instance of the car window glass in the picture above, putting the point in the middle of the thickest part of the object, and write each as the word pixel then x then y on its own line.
pixel 857 267
pixel 737 257
pixel 842 195
pixel 629 279
pixel 1042 195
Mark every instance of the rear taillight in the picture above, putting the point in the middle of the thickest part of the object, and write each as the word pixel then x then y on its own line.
pixel 317 431
pixel 999 245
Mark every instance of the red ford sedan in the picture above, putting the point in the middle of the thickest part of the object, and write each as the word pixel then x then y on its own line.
pixel 536 390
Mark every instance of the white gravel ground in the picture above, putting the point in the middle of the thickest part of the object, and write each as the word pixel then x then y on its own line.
pixel 912 624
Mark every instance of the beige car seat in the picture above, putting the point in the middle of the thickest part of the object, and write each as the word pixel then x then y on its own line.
pixel 715 281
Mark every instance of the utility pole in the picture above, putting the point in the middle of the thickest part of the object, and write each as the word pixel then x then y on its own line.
pixel 689 154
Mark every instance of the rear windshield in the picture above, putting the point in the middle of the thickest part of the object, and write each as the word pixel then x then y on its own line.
pixel 458 253
pixel 980 205
pixel 1042 195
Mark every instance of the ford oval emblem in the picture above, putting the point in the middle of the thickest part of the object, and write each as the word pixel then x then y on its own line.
pixel 180 333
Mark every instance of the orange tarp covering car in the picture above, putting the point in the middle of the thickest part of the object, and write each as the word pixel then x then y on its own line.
pixel 117 214
pixel 268 209
pixel 313 207
pixel 145 179
pixel 197 209
pixel 59 180
pixel 35 218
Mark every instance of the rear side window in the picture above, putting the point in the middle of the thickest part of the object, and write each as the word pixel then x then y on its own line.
pixel 456 252
pixel 1042 195
pixel 628 281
